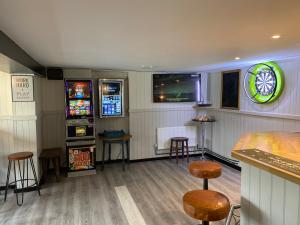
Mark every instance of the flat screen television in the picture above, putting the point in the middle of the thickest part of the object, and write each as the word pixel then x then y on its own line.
pixel 79 98
pixel 175 87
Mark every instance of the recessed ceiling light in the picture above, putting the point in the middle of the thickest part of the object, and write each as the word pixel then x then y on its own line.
pixel 237 58
pixel 275 36
pixel 147 67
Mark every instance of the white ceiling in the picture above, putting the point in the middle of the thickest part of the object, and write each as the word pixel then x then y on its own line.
pixel 167 34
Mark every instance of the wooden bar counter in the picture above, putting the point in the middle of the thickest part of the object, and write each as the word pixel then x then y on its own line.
pixel 270 178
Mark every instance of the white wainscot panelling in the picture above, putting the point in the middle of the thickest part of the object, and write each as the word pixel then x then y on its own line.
pixel 53 130
pixel 16 136
pixel 143 125
pixel 164 135
pixel 230 126
pixel 268 199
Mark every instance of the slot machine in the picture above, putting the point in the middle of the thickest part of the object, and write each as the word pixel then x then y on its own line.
pixel 80 127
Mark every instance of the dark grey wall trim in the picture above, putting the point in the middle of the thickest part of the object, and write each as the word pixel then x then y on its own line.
pixel 9 48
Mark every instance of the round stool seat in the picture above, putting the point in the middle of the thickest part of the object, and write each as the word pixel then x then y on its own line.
pixel 20 156
pixel 50 153
pixel 205 169
pixel 206 205
pixel 179 138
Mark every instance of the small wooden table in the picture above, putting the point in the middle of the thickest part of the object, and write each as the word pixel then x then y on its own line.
pixel 125 139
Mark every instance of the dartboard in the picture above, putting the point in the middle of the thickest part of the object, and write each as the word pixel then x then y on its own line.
pixel 263 82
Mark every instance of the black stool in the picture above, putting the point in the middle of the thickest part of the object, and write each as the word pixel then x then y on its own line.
pixel 25 157
pixel 179 141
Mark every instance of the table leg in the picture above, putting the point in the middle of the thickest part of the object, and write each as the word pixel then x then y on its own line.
pixel 123 157
pixel 109 146
pixel 177 152
pixel 45 169
pixel 203 137
pixel 103 154
pixel 55 162
pixel 128 151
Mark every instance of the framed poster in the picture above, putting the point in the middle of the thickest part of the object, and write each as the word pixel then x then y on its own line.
pixel 230 89
pixel 22 88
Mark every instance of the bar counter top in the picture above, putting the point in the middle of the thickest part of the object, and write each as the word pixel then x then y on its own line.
pixel 275 152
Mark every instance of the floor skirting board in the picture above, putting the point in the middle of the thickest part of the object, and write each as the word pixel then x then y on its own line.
pixel 221 159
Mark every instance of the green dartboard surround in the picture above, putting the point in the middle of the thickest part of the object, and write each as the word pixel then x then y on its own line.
pixel 279 79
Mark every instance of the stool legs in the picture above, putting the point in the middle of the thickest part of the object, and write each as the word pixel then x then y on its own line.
pixel 55 162
pixel 171 149
pixel 179 145
pixel 22 179
pixel 35 176
pixel 176 148
pixel 231 214
pixel 205 184
pixel 205 223
pixel 22 182
pixel 187 151
pixel 7 179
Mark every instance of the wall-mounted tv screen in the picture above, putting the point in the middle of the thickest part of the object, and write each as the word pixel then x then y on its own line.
pixel 175 87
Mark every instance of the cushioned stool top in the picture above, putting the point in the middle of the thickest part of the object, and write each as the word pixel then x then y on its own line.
pixel 206 205
pixel 20 155
pixel 179 139
pixel 205 169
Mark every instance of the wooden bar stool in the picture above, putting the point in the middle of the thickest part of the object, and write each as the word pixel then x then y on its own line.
pixel 47 155
pixel 205 169
pixel 179 142
pixel 206 205
pixel 24 157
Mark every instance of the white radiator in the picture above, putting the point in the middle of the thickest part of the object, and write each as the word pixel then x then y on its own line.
pixel 165 133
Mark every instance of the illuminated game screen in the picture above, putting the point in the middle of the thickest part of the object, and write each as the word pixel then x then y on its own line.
pixel 80 107
pixel 111 99
pixel 79 98
pixel 79 89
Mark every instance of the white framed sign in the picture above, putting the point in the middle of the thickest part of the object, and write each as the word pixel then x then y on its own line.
pixel 22 88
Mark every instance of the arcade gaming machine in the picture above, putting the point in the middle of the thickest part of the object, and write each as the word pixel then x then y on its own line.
pixel 80 128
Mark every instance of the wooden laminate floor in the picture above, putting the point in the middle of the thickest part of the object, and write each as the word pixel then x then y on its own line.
pixel 156 188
